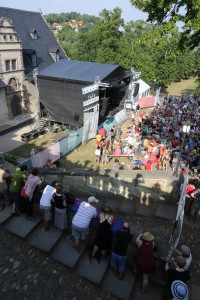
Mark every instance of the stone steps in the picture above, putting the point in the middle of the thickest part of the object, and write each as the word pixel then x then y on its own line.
pixel 56 245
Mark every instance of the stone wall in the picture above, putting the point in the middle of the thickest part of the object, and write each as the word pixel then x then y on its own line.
pixel 153 186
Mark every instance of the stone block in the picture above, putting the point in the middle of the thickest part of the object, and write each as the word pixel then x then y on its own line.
pixel 121 289
pixel 44 240
pixel 166 211
pixel 127 207
pixel 21 226
pixel 146 211
pixel 65 253
pixel 113 203
pixel 155 291
pixel 5 214
pixel 92 271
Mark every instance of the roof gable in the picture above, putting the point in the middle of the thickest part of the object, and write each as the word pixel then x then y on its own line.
pixel 25 22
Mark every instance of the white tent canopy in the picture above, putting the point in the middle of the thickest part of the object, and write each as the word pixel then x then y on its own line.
pixel 144 89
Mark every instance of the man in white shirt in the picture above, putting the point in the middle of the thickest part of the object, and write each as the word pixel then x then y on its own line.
pixel 82 219
pixel 45 205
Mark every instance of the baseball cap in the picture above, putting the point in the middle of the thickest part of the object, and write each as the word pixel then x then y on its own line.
pixel 93 199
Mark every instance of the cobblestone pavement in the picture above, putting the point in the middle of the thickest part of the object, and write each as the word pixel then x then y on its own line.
pixel 26 273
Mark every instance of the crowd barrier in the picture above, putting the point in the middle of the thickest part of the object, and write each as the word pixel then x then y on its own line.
pixel 176 233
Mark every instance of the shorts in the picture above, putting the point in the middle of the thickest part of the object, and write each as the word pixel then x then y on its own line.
pixel 46 213
pixel 79 233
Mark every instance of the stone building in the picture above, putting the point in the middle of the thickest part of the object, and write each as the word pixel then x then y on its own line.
pixel 27 45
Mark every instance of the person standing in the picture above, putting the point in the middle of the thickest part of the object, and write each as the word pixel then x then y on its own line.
pixel 59 202
pixel 45 205
pixel 144 260
pixel 98 139
pixel 178 273
pixel 3 176
pixel 15 188
pixel 82 219
pixel 118 257
pixel 195 207
pixel 33 151
pixel 26 205
pixel 186 253
pixel 112 135
pixel 104 235
pixel 102 132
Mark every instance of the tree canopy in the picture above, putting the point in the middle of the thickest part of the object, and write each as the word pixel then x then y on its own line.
pixel 164 11
pixel 151 48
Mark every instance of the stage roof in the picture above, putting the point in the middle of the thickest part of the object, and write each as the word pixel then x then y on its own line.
pixel 84 72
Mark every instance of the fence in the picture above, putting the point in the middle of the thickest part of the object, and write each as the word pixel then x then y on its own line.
pixel 69 143
pixel 176 233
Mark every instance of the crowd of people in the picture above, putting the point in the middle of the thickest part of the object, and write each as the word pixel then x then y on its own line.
pixel 156 138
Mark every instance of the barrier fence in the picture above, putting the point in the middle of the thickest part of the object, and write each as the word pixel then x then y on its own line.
pixel 176 233
pixel 68 144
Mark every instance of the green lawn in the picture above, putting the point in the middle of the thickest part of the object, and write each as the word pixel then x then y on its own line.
pixel 184 87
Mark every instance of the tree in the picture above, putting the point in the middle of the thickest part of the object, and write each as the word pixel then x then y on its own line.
pixel 102 44
pixel 164 11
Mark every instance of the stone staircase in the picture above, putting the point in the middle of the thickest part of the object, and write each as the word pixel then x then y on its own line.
pixel 40 124
pixel 57 246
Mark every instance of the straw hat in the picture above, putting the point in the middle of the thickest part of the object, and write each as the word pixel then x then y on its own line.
pixel 147 236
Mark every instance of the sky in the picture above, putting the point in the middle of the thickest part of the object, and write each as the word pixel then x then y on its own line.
pixel 90 7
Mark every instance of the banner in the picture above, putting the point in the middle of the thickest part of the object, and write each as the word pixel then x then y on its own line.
pixel 90 111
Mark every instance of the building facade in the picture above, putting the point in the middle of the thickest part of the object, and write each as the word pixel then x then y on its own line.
pixel 27 45
pixel 12 101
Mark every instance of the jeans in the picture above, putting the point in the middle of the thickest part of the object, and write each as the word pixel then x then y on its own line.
pixel 118 262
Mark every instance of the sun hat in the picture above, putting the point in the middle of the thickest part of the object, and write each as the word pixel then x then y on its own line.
pixel 185 250
pixel 179 290
pixel 92 199
pixel 147 236
pixel 181 261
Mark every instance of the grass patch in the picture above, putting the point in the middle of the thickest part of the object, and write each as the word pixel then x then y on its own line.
pixel 39 144
pixel 184 87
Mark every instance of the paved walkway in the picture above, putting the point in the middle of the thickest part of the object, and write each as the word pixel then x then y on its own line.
pixel 12 140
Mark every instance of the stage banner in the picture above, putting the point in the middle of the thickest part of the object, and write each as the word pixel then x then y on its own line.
pixel 90 112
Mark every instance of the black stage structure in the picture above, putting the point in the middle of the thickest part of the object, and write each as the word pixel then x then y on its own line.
pixel 60 88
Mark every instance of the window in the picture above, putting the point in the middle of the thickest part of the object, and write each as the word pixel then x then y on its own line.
pixel 5 37
pixel 33 34
pixel 14 64
pixel 11 37
pixel 57 56
pixel 7 63
pixel 34 61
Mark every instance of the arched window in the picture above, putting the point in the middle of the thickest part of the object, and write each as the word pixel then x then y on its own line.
pixel 12 84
